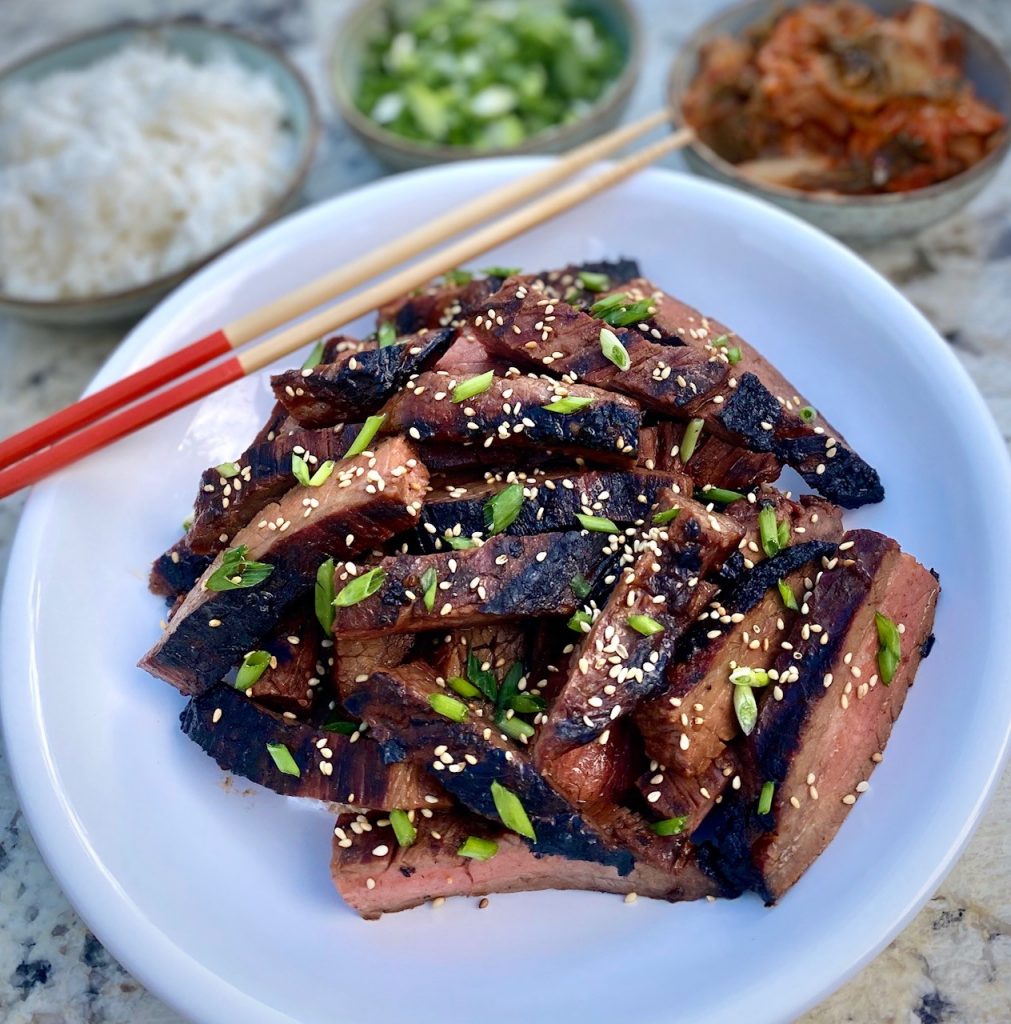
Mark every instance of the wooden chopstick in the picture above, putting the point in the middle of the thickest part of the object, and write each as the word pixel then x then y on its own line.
pixel 101 434
pixel 323 289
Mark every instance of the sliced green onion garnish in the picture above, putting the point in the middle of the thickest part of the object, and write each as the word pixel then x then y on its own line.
pixel 458 277
pixel 809 414
pixel 889 647
pixel 734 355
pixel 500 271
pixel 721 495
pixel 315 357
pixel 283 759
pixel 429 587
pixel 301 470
pixel 768 531
pixel 742 676
pixel 254 664
pixel 783 533
pixel 341 726
pixel 597 524
pixel 788 596
pixel 360 588
pixel 387 335
pixel 460 543
pixel 722 340
pixel 628 315
pixel 482 678
pixel 670 826
pixel 527 703
pixel 578 620
pixel 228 469
pixel 364 437
pixel 765 799
pixel 460 685
pixel 580 587
pixel 690 440
pixel 667 516
pixel 188 524
pixel 608 305
pixel 501 510
pixel 448 707
pixel 645 625
pixel 403 828
pixel 570 404
pixel 511 811
pixel 324 596
pixel 474 386
pixel 613 349
pixel 478 849
pixel 235 573
pixel 746 707
pixel 515 728
pixel 594 282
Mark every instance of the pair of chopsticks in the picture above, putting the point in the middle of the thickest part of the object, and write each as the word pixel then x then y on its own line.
pixel 160 389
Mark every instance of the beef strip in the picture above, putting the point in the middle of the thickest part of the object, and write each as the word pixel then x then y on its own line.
pixel 551 502
pixel 175 572
pixel 511 413
pixel 366 500
pixel 617 666
pixel 440 304
pixel 680 376
pixel 358 383
pixel 517 577
pixel 399 878
pixel 355 660
pixel 342 769
pixel 290 682
pixel 820 743
pixel 671 794
pixel 714 461
pixel 687 725
pixel 496 647
pixel 262 474
pixel 471 755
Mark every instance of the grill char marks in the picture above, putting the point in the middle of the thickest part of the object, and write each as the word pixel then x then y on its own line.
pixel 714 460
pixel 358 383
pixel 395 703
pixel 225 504
pixel 439 305
pixel 514 582
pixel 511 413
pixel 617 666
pixel 175 572
pixel 551 503
pixel 235 732
pixel 430 868
pixel 820 743
pixel 212 630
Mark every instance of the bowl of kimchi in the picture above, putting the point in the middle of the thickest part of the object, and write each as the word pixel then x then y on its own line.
pixel 869 119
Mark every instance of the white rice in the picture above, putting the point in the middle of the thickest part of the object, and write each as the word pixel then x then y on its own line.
pixel 121 172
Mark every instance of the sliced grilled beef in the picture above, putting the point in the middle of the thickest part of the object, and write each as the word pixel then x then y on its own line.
pixel 231 495
pixel 551 503
pixel 820 743
pixel 366 500
pixel 355 660
pixel 617 665
pixel 671 794
pixel 342 769
pixel 442 304
pixel 175 572
pixel 686 727
pixel 569 283
pixel 512 413
pixel 496 648
pixel 293 675
pixel 358 383
pixel 506 578
pixel 714 460
pixel 376 876
pixel 469 755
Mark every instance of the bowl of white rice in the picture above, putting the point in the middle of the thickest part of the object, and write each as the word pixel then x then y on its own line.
pixel 131 156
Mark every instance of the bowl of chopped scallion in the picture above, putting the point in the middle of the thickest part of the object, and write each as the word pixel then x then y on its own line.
pixel 426 81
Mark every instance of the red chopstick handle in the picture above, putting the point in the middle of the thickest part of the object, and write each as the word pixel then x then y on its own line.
pixel 84 442
pixel 101 403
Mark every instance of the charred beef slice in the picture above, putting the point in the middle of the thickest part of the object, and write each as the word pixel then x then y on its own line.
pixel 334 767
pixel 819 744
pixel 175 572
pixel 292 679
pixel 713 460
pixel 505 578
pixel 366 500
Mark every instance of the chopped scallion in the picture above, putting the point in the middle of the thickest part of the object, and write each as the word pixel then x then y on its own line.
pixel 448 707
pixel 511 811
pixel 527 703
pixel 478 849
pixel 628 315
pixel 360 588
pixel 670 826
pixel 746 708
pixel 889 647
pixel 690 440
pixel 254 664
pixel 460 685
pixel 597 524
pixel 734 355
pixel 324 596
pixel 607 305
pixel 341 726
pixel 667 516
pixel 515 728
pixel 460 543
pixel 228 469
pixel 742 676
pixel 501 510
pixel 580 587
pixel 458 277
pixel 578 620
pixel 235 573
pixel 783 533
pixel 594 282
pixel 569 404
pixel 613 349
pixel 720 495
pixel 765 799
pixel 482 678
pixel 502 272
pixel 364 437
pixel 301 470
pixel 403 827
pixel 645 625
pixel 429 587
pixel 387 334
pixel 281 756
pixel 315 357
pixel 768 531
pixel 788 596
pixel 809 414
pixel 472 387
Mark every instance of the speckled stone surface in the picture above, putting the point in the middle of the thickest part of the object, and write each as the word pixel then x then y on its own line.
pixel 952 964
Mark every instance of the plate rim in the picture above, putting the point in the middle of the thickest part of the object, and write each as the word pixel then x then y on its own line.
pixel 148 954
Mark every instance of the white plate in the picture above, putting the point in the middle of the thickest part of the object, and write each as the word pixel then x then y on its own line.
pixel 221 902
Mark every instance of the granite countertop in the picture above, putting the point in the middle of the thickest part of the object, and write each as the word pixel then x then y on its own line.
pixel 952 964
